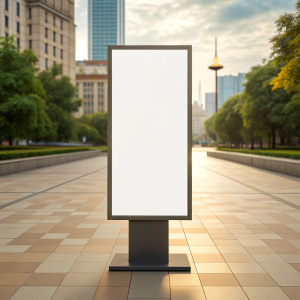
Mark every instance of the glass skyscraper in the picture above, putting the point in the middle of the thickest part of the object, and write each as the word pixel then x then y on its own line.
pixel 106 26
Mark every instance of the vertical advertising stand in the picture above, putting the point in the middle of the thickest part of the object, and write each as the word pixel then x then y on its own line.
pixel 149 151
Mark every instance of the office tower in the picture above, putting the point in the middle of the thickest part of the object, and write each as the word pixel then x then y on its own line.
pixel 91 84
pixel 198 118
pixel 228 86
pixel 200 96
pixel 106 26
pixel 210 104
pixel 46 27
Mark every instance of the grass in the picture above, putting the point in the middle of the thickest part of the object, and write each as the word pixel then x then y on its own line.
pixel 281 152
pixel 15 152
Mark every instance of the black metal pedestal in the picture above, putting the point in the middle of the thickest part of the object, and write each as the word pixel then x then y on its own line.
pixel 149 250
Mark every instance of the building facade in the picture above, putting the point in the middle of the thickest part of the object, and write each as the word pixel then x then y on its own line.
pixel 228 86
pixel 45 26
pixel 198 119
pixel 92 86
pixel 210 104
pixel 106 26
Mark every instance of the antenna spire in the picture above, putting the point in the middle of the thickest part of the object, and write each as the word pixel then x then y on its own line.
pixel 216 47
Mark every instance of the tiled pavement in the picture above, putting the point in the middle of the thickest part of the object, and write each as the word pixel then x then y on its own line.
pixel 243 241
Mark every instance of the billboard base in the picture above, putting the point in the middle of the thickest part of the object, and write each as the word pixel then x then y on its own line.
pixel 177 262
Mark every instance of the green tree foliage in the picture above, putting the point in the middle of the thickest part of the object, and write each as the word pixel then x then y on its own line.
pixel 61 102
pixel 98 121
pixel 22 104
pixel 286 51
pixel 228 122
pixel 263 109
pixel 90 133
pixel 209 128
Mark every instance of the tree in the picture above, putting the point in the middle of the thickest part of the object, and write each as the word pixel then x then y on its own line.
pixel 60 101
pixel 22 104
pixel 98 121
pixel 90 133
pixel 209 128
pixel 228 122
pixel 263 108
pixel 286 51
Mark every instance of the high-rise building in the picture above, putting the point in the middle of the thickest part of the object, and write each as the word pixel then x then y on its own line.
pixel 199 95
pixel 228 86
pixel 210 104
pixel 91 84
pixel 198 118
pixel 46 27
pixel 106 26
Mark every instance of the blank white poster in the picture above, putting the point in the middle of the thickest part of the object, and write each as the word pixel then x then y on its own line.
pixel 149 132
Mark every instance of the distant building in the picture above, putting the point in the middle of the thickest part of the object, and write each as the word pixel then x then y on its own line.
pixel 91 84
pixel 106 26
pixel 199 95
pixel 46 27
pixel 210 104
pixel 198 118
pixel 228 86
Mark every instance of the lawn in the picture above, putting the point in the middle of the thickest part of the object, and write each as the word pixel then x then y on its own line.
pixel 284 152
pixel 14 152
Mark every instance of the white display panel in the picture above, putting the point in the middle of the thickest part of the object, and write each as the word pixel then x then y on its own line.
pixel 149 132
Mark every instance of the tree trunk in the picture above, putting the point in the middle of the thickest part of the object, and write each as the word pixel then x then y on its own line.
pixel 10 140
pixel 269 140
pixel 288 139
pixel 282 139
pixel 261 142
pixel 252 141
pixel 273 137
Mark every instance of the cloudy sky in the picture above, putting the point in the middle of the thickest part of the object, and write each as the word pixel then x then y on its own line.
pixel 243 28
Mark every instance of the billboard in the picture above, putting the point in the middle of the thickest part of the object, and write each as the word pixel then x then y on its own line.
pixel 149 132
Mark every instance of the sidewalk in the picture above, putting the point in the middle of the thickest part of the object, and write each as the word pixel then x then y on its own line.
pixel 243 241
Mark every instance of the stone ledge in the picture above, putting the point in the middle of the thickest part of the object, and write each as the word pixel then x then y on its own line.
pixel 25 164
pixel 275 164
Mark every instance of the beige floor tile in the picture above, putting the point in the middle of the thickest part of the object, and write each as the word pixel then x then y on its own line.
pixel 262 293
pixel 246 268
pixel 292 292
pixel 34 293
pixel 74 293
pixel 93 257
pixel 62 257
pixel 20 267
pixel 149 285
pixel 83 267
pixel 212 258
pixel 287 279
pixel 212 268
pixel 255 279
pixel 82 279
pixel 216 279
pixel 116 279
pixel 45 279
pixel 238 258
pixel 224 293
pixel 54 267
pixel 278 268
pixel 181 280
pixel 268 258
pixel 111 293
pixel 32 257
pixel 187 293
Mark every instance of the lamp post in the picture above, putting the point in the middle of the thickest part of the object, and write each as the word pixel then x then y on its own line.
pixel 216 67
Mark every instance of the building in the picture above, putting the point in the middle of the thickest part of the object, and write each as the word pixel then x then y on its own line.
pixel 198 118
pixel 228 86
pixel 210 104
pixel 46 27
pixel 106 26
pixel 199 95
pixel 92 87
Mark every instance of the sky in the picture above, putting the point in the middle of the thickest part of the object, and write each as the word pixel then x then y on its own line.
pixel 243 29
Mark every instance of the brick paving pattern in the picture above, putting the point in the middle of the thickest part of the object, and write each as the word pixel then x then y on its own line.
pixel 243 241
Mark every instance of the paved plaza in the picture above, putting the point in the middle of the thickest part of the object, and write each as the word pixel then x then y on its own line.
pixel 243 241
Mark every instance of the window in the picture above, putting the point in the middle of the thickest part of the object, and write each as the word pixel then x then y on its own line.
pixel 61 24
pixel 30 29
pixel 46 17
pixel 18 42
pixel 6 21
pixel 46 48
pixel 6 4
pixel 54 51
pixel 61 39
pixel 29 13
pixel 46 32
pixel 18 9
pixel 6 34
pixel 18 27
pixel 61 54
pixel 54 21
pixel 30 44
pixel 54 36
pixel 46 63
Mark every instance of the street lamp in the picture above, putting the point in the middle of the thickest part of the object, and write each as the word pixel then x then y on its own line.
pixel 216 67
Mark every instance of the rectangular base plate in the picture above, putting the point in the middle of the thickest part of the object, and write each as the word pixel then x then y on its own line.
pixel 177 262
